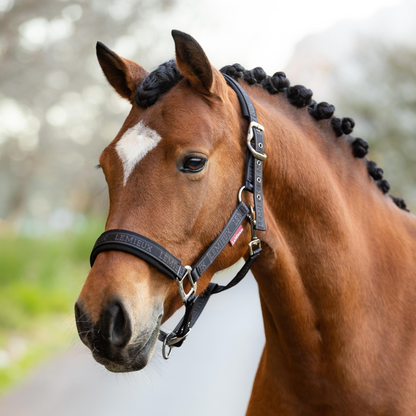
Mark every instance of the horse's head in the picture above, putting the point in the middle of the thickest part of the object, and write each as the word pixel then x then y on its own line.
pixel 173 173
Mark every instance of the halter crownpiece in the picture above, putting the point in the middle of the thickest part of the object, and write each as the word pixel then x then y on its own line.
pixel 156 255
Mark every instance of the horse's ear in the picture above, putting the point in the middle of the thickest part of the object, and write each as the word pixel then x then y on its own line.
pixel 124 75
pixel 193 63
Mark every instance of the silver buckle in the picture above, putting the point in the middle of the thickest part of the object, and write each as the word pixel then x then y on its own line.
pixel 250 135
pixel 179 283
pixel 170 343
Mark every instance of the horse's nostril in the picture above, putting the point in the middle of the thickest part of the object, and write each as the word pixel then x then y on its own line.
pixel 113 329
pixel 118 324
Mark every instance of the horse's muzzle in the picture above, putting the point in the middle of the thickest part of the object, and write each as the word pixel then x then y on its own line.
pixel 111 338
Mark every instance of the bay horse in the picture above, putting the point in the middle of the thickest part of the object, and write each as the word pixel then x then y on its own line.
pixel 336 275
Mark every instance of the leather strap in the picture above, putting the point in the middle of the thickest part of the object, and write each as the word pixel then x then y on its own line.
pixel 237 217
pixel 240 275
pixel 152 252
pixel 194 309
pixel 254 167
pixel 247 107
pixel 258 181
pixel 139 246
pixel 248 177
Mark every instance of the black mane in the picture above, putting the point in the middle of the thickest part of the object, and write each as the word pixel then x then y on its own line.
pixel 167 75
pixel 300 96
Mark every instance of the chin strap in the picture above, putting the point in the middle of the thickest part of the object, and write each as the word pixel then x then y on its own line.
pixel 195 305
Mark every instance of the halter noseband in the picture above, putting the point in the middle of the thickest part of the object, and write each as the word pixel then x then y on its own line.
pixel 153 253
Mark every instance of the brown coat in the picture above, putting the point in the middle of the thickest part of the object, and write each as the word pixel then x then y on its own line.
pixel 336 278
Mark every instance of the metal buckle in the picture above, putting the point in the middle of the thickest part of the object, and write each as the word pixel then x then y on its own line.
pixel 250 135
pixel 170 343
pixel 179 283
pixel 255 242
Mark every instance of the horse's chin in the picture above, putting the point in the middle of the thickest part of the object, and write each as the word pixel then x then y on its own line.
pixel 133 358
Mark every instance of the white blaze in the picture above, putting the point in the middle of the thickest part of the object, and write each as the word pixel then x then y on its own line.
pixel 134 146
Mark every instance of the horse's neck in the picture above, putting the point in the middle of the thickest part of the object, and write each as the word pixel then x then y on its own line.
pixel 328 228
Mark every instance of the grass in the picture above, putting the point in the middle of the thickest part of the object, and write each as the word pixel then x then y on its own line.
pixel 40 279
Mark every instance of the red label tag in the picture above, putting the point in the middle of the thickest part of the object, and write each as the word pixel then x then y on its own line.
pixel 237 234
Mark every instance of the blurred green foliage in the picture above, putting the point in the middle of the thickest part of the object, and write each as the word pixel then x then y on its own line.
pixel 40 280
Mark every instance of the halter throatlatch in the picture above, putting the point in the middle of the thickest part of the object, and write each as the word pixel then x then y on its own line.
pixel 156 255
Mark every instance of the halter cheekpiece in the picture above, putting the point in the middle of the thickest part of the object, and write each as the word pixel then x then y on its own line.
pixel 156 255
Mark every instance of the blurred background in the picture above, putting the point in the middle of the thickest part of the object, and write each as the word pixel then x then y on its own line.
pixel 57 113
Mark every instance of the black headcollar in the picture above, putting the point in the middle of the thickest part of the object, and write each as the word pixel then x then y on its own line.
pixel 153 253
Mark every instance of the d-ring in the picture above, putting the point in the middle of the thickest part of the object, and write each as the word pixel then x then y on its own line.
pixel 167 355
pixel 240 192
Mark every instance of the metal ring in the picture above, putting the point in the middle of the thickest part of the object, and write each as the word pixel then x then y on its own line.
pixel 240 192
pixel 166 356
pixel 179 283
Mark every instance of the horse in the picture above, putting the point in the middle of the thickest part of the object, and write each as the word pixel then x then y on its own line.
pixel 336 274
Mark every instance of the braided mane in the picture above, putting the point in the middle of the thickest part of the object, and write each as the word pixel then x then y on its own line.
pixel 299 96
pixel 167 75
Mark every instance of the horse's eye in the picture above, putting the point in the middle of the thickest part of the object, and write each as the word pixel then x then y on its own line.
pixel 193 164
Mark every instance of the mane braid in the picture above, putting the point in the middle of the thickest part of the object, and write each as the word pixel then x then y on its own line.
pixel 342 125
pixel 255 76
pixel 300 97
pixel 321 111
pixel 359 148
pixel 277 83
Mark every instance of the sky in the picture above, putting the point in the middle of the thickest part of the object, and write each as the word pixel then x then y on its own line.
pixel 259 32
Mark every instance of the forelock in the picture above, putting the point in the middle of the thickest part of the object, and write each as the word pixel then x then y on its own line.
pixel 158 82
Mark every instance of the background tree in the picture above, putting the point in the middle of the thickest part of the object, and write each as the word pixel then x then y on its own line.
pixel 379 92
pixel 55 106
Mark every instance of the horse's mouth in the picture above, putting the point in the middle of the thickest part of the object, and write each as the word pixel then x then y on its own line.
pixel 133 358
